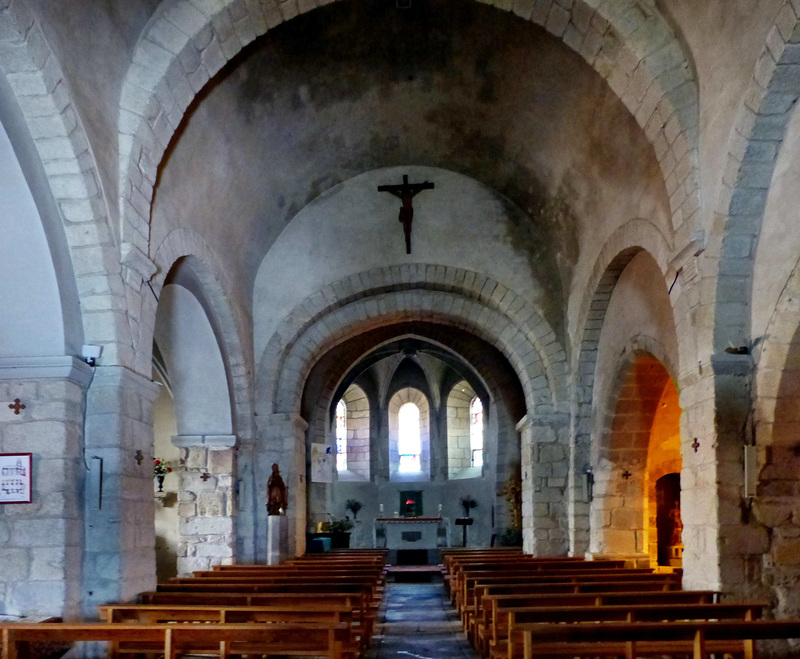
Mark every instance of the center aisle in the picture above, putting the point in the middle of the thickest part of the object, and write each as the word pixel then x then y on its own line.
pixel 419 623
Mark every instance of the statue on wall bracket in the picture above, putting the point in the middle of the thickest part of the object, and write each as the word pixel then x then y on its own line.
pixel 277 493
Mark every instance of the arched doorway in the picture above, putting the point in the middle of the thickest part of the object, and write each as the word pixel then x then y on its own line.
pixel 640 446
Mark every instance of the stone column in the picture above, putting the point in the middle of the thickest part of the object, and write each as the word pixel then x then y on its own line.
pixel 206 501
pixel 717 544
pixel 282 439
pixel 119 557
pixel 41 543
pixel 544 482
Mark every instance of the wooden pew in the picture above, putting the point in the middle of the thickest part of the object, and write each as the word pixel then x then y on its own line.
pixel 309 612
pixel 233 575
pixel 172 641
pixel 697 639
pixel 358 600
pixel 480 614
pixel 462 571
pixel 512 648
pixel 465 594
pixel 495 607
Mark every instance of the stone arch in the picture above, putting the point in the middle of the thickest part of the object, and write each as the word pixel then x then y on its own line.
pixel 619 515
pixel 629 240
pixel 452 295
pixel 754 145
pixel 184 244
pixel 38 85
pixel 497 381
pixel 282 374
pixel 187 43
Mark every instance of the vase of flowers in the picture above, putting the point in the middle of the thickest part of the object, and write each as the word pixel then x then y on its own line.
pixel 160 469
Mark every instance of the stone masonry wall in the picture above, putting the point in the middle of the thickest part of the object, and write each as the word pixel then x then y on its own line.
pixel 357 431
pixel 41 542
pixel 206 508
pixel 459 455
pixel 119 556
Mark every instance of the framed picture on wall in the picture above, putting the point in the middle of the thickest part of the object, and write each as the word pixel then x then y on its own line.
pixel 15 478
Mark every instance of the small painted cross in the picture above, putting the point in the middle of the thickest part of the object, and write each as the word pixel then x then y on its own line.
pixel 626 474
pixel 139 457
pixel 695 445
pixel 16 406
pixel 205 476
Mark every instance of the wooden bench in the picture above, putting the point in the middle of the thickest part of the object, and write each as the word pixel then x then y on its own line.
pixel 494 625
pixel 467 597
pixel 462 572
pixel 313 612
pixel 172 641
pixel 512 646
pixel 479 613
pixel 464 595
pixel 697 639
pixel 364 609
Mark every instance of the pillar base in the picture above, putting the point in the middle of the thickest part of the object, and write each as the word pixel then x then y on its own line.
pixel 277 539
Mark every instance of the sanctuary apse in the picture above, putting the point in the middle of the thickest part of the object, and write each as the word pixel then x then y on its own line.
pixel 197 266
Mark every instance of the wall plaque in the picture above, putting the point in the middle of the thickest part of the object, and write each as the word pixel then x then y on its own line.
pixel 15 477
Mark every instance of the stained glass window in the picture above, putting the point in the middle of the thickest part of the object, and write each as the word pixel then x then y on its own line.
pixel 341 436
pixel 409 442
pixel 476 431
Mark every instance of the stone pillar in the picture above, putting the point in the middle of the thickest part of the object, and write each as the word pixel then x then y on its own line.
pixel 282 439
pixel 119 556
pixel 246 504
pixel 544 483
pixel 206 501
pixel 717 544
pixel 41 543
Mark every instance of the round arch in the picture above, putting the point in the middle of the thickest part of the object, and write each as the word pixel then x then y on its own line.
pixel 187 43
pixel 756 139
pixel 66 186
pixel 631 239
pixel 621 460
pixel 452 295
pixel 184 244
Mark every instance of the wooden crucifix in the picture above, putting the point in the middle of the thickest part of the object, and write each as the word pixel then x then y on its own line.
pixel 406 192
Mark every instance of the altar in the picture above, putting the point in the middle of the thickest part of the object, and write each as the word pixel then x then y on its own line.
pixel 400 534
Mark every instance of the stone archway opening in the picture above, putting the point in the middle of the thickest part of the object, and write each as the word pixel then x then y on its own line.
pixel 640 448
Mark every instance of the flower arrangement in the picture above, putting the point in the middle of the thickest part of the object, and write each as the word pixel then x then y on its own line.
pixel 161 467
pixel 353 506
pixel 337 525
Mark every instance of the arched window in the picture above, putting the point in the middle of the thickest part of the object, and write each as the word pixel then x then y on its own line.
pixel 476 432
pixel 341 436
pixel 409 441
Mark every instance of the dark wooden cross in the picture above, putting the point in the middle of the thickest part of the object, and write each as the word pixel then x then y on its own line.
pixel 205 476
pixel 406 192
pixel 626 474
pixel 16 406
pixel 695 445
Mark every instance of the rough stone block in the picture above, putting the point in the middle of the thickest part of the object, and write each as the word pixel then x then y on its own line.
pixel 205 526
pixel 220 462
pixel 47 564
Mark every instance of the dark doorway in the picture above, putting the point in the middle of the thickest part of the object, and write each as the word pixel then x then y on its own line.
pixel 668 519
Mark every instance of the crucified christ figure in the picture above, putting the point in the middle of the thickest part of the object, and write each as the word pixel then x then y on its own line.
pixel 405 193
